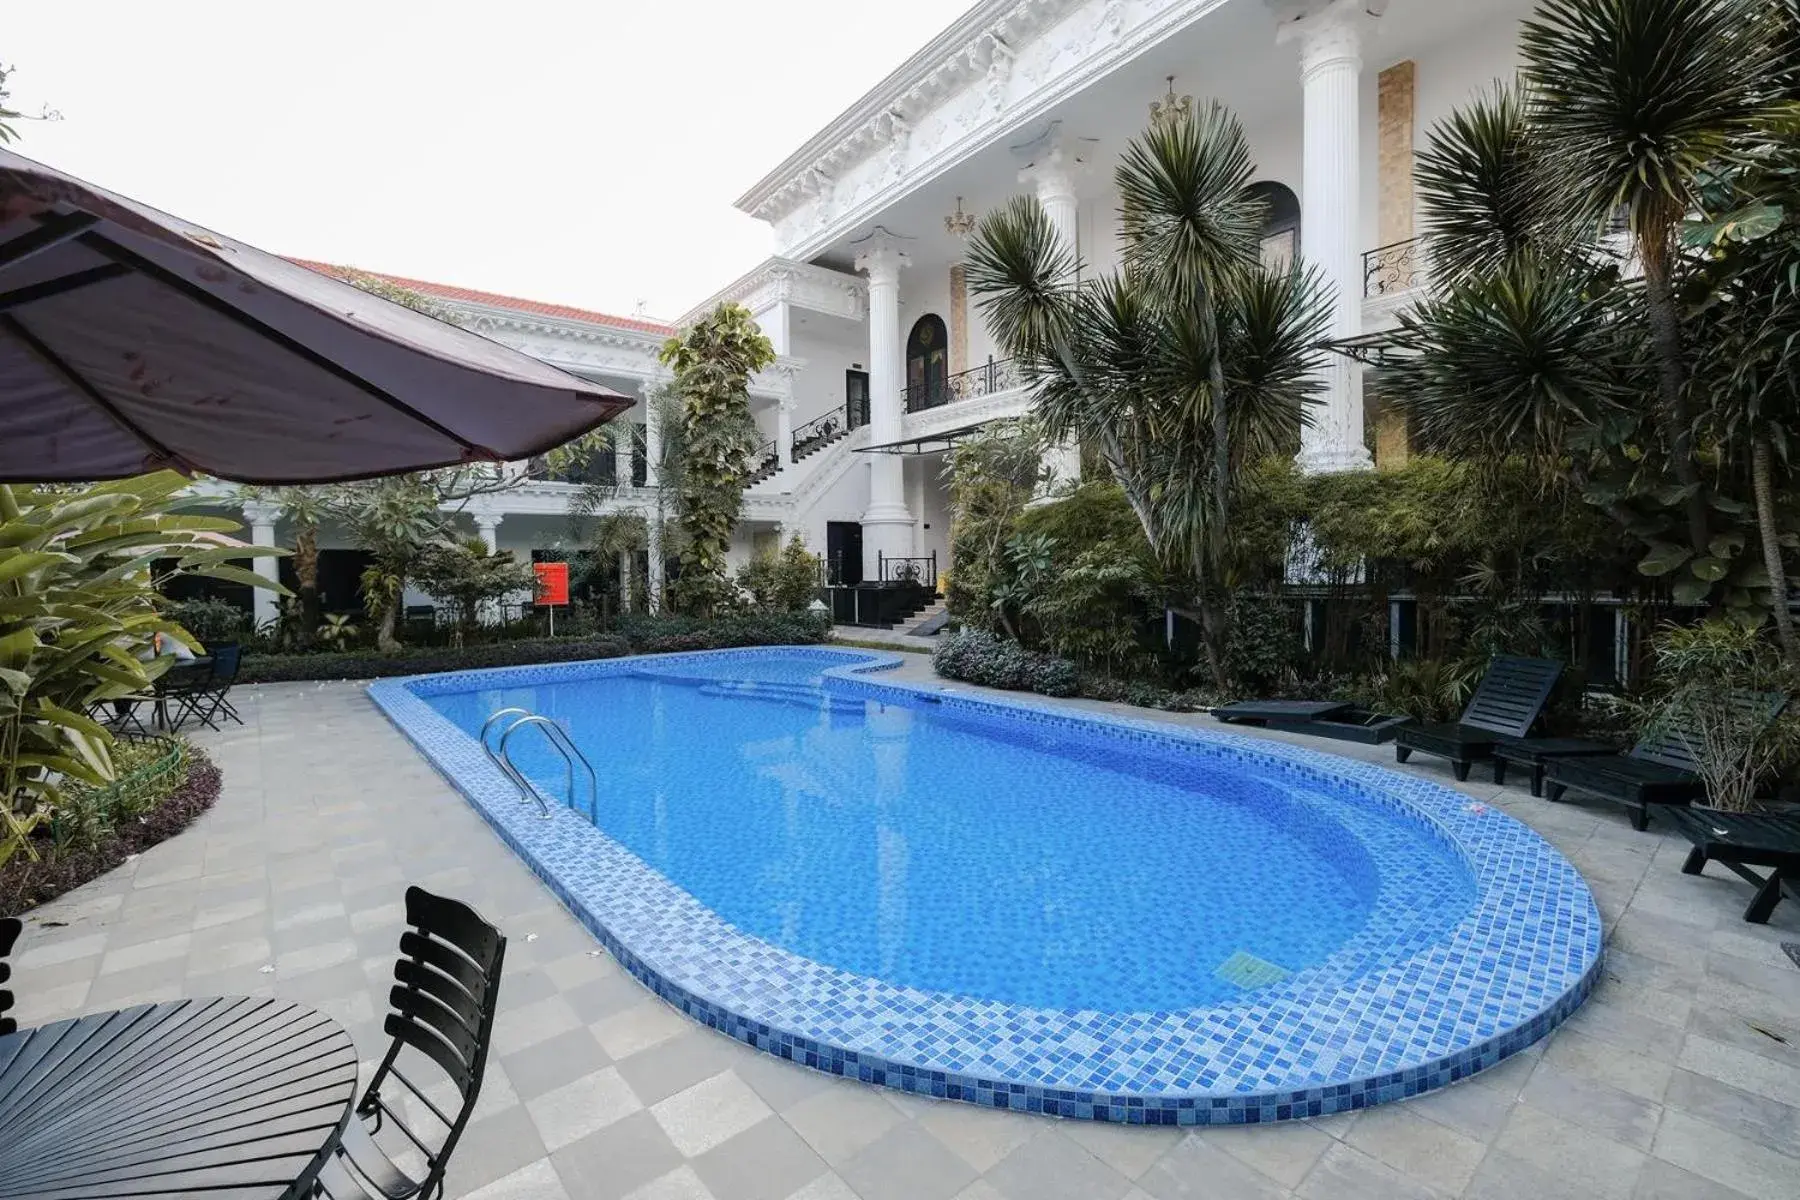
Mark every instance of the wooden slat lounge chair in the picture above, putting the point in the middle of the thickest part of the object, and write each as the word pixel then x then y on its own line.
pixel 9 933
pixel 1279 712
pixel 1658 770
pixel 1739 841
pixel 1505 705
pixel 1536 753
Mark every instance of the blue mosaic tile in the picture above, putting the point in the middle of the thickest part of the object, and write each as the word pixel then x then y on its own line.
pixel 1405 1006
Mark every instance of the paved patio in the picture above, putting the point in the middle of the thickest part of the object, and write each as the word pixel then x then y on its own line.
pixel 1679 1078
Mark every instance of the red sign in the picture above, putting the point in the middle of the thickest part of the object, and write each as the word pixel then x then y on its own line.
pixel 552 582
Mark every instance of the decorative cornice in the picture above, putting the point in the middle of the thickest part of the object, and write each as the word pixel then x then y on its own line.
pixel 977 47
pixel 817 289
pixel 1026 77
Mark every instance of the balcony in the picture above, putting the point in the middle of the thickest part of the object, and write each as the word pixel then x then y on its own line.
pixel 994 376
pixel 1394 270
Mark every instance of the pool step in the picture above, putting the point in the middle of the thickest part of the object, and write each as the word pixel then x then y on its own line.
pixel 797 694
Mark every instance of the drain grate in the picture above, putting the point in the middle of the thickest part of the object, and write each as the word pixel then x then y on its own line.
pixel 1246 970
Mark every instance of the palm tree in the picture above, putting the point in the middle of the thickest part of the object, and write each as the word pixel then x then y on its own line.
pixel 305 510
pixel 1186 365
pixel 606 530
pixel 1537 341
pixel 1635 104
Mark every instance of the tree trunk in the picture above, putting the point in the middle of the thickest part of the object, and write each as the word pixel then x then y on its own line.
pixel 1760 455
pixel 306 575
pixel 1671 380
pixel 385 640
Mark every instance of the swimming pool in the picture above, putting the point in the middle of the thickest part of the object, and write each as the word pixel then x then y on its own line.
pixel 1025 907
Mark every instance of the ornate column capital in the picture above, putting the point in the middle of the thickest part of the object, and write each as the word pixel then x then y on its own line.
pixel 261 513
pixel 1054 161
pixel 882 256
pixel 1329 34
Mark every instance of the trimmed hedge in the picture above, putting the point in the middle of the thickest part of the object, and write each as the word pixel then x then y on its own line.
pixel 977 657
pixel 635 635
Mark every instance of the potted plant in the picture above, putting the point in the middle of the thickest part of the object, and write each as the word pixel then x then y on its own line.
pixel 1723 687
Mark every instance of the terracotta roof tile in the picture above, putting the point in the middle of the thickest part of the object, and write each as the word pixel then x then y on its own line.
pixel 445 291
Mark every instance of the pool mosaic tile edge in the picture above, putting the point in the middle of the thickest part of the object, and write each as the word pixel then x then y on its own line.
pixel 1455 1008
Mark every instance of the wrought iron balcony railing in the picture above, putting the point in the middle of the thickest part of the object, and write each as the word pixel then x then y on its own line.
pixel 1393 269
pixel 995 375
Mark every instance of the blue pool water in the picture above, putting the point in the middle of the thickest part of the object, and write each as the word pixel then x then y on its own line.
pixel 947 850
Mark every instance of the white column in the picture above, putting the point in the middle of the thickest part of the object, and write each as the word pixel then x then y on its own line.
pixel 623 451
pixel 784 431
pixel 662 508
pixel 652 432
pixel 1053 173
pixel 887 525
pixel 1330 42
pixel 261 517
pixel 487 523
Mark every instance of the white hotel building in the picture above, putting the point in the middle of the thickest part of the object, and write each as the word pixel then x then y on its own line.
pixel 884 361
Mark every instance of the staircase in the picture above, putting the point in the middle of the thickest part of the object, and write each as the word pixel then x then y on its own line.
pixel 767 467
pixel 927 623
pixel 816 443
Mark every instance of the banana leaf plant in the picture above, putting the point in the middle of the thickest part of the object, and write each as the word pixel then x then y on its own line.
pixel 78 619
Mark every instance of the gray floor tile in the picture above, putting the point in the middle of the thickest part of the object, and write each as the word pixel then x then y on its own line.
pixel 616 1159
pixel 553 1062
pixel 1197 1170
pixel 768 1161
pixel 907 1163
pixel 1051 1166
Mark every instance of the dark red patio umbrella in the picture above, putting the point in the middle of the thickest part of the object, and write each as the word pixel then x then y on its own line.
pixel 132 340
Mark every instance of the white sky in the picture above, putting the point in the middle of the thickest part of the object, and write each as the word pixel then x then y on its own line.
pixel 577 151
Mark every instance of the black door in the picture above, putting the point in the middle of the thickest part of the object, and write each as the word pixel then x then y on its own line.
pixel 856 399
pixel 843 553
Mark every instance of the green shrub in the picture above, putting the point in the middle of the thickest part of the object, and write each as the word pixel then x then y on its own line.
pixel 148 772
pixel 1262 648
pixel 636 634
pixel 781 582
pixel 426 660
pixel 974 656
pixel 212 622
pixel 1145 694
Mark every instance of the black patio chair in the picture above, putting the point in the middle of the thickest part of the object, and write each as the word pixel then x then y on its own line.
pixel 1658 770
pixel 1739 841
pixel 1505 705
pixel 206 697
pixel 9 933
pixel 443 1016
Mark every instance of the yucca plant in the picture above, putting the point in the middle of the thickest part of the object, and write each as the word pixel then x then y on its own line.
pixel 77 618
pixel 1182 368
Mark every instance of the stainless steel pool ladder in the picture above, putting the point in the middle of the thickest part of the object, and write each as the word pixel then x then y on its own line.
pixel 571 755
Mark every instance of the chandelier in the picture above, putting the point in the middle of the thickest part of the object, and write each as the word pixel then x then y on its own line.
pixel 959 224
pixel 1171 108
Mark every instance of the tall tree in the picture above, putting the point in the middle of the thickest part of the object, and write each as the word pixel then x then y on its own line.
pixel 1181 368
pixel 713 360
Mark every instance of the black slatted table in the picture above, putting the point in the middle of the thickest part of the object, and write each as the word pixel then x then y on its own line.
pixel 231 1098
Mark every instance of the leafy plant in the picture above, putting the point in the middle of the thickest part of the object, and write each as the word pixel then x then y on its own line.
pixel 992 477
pixel 781 582
pixel 1183 368
pixel 463 574
pixel 77 616
pixel 212 622
pixel 713 361
pixel 337 632
pixel 975 656
pixel 1713 687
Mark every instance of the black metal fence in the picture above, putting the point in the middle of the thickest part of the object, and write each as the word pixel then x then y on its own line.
pixel 995 375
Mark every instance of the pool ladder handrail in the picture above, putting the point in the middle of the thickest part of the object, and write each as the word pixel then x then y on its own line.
pixel 559 739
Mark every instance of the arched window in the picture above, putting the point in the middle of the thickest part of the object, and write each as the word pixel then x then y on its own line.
pixel 927 364
pixel 1281 223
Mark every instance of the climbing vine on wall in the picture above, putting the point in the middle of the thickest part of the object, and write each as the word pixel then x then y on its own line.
pixel 713 360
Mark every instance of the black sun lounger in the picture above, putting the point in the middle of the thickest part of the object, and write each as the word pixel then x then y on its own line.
pixel 1505 705
pixel 1277 712
pixel 1536 753
pixel 1739 841
pixel 1658 770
